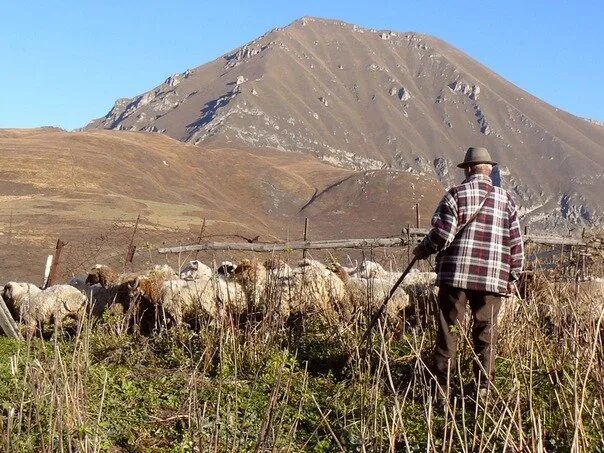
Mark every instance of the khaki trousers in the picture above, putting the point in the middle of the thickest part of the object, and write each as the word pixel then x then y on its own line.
pixel 451 310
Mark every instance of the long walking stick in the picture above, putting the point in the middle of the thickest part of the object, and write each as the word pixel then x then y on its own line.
pixel 378 313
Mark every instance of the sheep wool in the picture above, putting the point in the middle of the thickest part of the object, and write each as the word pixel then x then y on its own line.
pixel 55 303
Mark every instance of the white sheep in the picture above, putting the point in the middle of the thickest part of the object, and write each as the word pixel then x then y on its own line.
pixel 230 294
pixel 317 290
pixel 52 304
pixel 420 286
pixel 370 269
pixel 198 291
pixel 181 299
pixel 423 294
pixel 195 270
pixel 15 294
pixel 371 293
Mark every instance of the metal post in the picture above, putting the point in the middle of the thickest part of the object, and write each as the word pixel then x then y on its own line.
pixel 417 216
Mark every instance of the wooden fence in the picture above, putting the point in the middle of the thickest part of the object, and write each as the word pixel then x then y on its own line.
pixel 409 236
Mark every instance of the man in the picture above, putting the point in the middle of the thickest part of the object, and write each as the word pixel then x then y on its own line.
pixel 476 233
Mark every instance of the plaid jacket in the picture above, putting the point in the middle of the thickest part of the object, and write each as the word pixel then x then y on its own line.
pixel 489 253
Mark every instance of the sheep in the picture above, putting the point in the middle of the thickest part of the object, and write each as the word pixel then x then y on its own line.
pixel 181 299
pixel 122 289
pixel 316 289
pixel 102 275
pixel 195 270
pixel 370 269
pixel 38 308
pixel 230 294
pixel 423 294
pixel 16 294
pixel 99 297
pixel 372 292
pixel 197 291
pixel 281 286
pixel 163 270
pixel 567 300
pixel 119 287
pixel 308 289
pixel 252 277
pixel 420 286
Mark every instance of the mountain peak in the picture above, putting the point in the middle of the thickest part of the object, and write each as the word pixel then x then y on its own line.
pixel 367 99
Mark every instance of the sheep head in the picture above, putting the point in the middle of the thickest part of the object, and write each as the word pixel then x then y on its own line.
pixel 248 271
pixel 370 269
pixel 101 274
pixel 194 270
pixel 340 271
pixel 273 264
pixel 11 293
pixel 143 287
pixel 226 269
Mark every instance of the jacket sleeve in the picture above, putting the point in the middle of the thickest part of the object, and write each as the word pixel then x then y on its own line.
pixel 516 242
pixel 444 225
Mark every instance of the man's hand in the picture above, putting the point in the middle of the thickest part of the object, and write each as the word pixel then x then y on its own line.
pixel 420 252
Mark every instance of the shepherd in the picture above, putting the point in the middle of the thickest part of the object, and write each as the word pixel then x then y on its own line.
pixel 476 236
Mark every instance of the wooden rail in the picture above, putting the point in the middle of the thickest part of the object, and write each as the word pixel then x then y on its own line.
pixel 408 237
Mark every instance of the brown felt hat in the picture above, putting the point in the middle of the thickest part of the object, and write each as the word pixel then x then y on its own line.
pixel 475 156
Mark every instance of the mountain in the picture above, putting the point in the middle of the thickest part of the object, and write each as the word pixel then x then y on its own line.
pixel 87 188
pixel 371 99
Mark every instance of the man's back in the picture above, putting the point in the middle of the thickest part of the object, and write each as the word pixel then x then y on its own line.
pixel 488 253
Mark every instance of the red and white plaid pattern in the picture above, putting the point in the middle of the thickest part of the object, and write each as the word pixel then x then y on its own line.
pixel 489 252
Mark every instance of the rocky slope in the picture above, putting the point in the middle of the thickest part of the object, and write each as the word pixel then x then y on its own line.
pixel 369 99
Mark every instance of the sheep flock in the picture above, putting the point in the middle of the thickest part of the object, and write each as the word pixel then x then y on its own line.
pixel 161 297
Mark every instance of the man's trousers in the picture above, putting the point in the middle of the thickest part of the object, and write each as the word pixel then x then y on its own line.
pixel 451 310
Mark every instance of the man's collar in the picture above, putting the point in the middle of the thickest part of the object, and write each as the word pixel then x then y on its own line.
pixel 478 177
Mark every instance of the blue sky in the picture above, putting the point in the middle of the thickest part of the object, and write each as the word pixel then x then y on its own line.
pixel 66 62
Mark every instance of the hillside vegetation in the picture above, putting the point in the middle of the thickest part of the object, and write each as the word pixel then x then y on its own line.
pixel 267 384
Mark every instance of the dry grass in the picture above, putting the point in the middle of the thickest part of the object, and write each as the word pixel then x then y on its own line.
pixel 266 385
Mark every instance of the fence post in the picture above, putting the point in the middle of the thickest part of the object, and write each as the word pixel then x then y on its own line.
pixel 131 246
pixel 10 228
pixel 56 262
pixel 417 216
pixel 47 270
pixel 7 323
pixel 305 236
pixel 408 242
pixel 201 230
